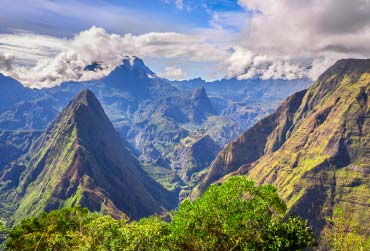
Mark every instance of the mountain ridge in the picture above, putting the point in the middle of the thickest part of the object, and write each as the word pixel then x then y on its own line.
pixel 154 117
pixel 317 154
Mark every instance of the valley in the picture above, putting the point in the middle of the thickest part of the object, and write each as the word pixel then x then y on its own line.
pixel 175 129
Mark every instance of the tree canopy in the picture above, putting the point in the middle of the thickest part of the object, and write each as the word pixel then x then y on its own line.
pixel 237 215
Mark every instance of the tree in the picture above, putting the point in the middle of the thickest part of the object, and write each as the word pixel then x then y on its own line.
pixel 238 215
pixel 57 230
pixel 234 216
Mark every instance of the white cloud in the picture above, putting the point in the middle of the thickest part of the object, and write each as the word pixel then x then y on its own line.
pixel 47 61
pixel 308 26
pixel 304 36
pixel 29 48
pixel 244 64
pixel 173 73
pixel 283 39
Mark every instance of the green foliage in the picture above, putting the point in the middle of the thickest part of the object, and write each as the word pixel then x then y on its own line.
pixel 3 232
pixel 58 230
pixel 237 216
pixel 234 216
pixel 345 233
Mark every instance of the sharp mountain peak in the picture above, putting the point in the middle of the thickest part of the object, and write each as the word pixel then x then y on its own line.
pixel 81 159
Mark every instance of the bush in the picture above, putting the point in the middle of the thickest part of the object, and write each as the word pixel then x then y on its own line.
pixel 234 216
pixel 238 216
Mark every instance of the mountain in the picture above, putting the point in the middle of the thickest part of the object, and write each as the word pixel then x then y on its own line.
pixel 34 114
pixel 12 92
pixel 249 89
pixel 315 148
pixel 13 144
pixel 153 115
pixel 81 159
pixel 201 106
pixel 135 78
pixel 190 158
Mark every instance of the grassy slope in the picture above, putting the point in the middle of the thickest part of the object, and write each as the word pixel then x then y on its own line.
pixel 326 160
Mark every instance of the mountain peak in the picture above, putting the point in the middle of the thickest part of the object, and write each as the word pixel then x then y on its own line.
pixel 200 93
pixel 81 159
pixel 134 63
pixel 94 66
pixel 85 107
pixel 351 67
pixel 132 76
pixel 201 106
pixel 313 148
pixel 85 96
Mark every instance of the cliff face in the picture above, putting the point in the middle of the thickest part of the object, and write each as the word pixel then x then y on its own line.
pixel 315 148
pixel 81 159
pixel 265 137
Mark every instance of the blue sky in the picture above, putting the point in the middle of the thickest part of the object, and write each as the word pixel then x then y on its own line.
pixel 46 42
pixel 66 18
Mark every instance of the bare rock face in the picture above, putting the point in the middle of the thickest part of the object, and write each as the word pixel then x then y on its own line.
pixel 315 148
pixel 81 159
pixel 264 137
pixel 194 154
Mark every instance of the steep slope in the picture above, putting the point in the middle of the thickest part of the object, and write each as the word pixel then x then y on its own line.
pixel 153 116
pixel 191 157
pixel 81 159
pixel 264 137
pixel 201 106
pixel 159 124
pixel 315 148
pixel 193 154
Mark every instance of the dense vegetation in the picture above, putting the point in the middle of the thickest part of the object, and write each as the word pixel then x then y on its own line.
pixel 234 216
pixel 314 148
pixel 345 232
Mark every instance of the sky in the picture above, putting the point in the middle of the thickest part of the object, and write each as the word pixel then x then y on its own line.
pixel 46 42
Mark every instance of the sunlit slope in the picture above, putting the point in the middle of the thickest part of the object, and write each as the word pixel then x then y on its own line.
pixel 318 155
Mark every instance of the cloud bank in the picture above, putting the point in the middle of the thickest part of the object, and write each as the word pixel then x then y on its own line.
pixel 52 61
pixel 304 36
pixel 270 39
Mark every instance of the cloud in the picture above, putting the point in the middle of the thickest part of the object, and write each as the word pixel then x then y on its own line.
pixel 173 73
pixel 269 39
pixel 6 62
pixel 28 48
pixel 288 26
pixel 47 61
pixel 306 34
pixel 244 64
